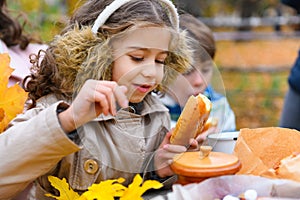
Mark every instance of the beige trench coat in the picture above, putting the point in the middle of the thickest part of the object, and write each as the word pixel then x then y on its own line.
pixel 108 147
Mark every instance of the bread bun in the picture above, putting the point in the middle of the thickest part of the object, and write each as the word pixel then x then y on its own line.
pixel 288 167
pixel 193 118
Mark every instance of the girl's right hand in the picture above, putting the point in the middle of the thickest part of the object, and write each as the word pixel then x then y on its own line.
pixel 94 98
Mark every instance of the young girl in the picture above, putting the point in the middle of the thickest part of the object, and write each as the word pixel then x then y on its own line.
pixel 93 116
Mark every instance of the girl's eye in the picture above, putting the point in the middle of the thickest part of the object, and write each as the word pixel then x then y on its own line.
pixel 137 59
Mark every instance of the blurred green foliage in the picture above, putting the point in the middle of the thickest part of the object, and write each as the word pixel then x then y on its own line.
pixel 256 97
pixel 44 18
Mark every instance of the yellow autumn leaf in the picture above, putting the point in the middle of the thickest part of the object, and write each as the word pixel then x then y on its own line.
pixel 5 70
pixel 105 190
pixel 12 99
pixel 136 189
pixel 66 193
pixel 2 114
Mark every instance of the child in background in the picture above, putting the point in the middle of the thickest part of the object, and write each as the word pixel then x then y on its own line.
pixel 111 51
pixel 197 79
pixel 18 45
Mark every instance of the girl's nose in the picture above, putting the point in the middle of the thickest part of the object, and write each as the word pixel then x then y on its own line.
pixel 150 69
pixel 197 79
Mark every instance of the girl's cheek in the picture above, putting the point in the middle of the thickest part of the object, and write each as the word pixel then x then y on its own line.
pixel 160 75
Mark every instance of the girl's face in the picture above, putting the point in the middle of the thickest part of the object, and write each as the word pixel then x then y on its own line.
pixel 139 60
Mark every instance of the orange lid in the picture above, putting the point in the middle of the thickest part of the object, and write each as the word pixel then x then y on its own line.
pixel 215 164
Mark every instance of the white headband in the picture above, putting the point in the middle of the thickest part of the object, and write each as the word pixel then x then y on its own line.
pixel 116 4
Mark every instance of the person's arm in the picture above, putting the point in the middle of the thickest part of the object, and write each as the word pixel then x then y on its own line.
pixel 35 144
pixel 30 148
pixel 294 77
pixel 290 117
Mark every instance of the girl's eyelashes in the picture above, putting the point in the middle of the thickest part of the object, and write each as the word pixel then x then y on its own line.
pixel 137 59
pixel 140 59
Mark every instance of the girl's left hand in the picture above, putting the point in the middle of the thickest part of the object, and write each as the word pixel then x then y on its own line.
pixel 165 154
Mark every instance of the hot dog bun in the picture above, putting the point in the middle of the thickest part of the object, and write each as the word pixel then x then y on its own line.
pixel 193 118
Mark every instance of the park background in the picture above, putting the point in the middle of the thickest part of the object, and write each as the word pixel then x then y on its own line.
pixel 257 44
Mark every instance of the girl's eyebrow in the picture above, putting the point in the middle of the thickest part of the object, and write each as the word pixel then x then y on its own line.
pixel 146 49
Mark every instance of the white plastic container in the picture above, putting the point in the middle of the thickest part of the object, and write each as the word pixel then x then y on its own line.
pixel 223 142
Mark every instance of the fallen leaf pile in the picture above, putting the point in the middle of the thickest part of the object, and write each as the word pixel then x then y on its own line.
pixel 12 99
pixel 107 190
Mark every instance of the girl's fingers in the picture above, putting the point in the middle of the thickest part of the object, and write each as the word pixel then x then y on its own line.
pixel 120 94
pixel 114 93
pixel 108 89
pixel 166 139
pixel 105 94
pixel 174 148
pixel 169 134
pixel 101 100
pixel 193 144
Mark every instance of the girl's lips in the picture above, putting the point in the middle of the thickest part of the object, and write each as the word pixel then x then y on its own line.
pixel 143 88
